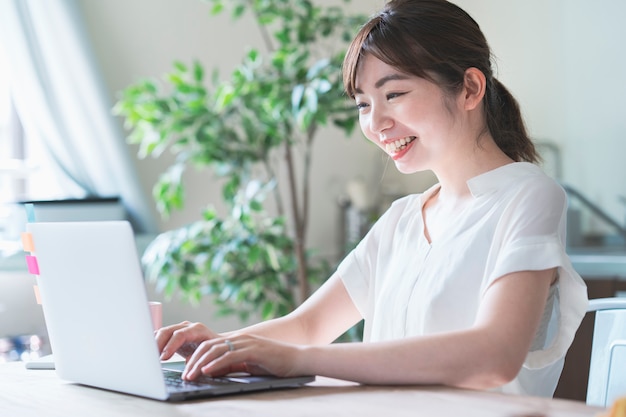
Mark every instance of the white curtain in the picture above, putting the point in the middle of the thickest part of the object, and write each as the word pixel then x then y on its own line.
pixel 62 102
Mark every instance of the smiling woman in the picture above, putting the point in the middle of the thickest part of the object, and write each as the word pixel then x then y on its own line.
pixel 466 284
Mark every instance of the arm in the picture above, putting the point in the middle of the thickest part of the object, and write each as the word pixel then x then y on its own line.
pixel 488 354
pixel 320 319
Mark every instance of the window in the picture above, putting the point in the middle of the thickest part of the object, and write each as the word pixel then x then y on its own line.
pixel 11 157
pixel 69 143
pixel 23 170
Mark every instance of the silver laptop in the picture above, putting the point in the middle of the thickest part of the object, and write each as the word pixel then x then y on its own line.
pixel 96 311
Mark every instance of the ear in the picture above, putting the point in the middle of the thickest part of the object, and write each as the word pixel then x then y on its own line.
pixel 474 87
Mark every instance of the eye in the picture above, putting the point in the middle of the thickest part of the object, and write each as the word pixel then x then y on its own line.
pixel 361 105
pixel 391 96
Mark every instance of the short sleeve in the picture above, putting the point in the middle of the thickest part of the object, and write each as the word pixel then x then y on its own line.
pixel 355 281
pixel 359 267
pixel 535 240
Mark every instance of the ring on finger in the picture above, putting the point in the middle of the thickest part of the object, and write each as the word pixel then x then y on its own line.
pixel 230 345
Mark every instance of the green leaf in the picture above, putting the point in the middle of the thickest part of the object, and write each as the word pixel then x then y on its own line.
pixel 253 56
pixel 256 206
pixel 323 86
pixel 297 95
pixel 224 97
pixel 180 66
pixel 317 68
pixel 198 72
pixel 268 310
pixel 217 8
pixel 311 99
pixel 272 256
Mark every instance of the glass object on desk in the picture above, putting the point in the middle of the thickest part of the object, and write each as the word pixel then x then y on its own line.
pixel 23 348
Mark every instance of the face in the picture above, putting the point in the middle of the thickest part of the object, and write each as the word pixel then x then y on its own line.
pixel 406 116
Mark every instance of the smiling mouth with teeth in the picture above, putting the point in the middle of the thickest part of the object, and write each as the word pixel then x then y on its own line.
pixel 398 145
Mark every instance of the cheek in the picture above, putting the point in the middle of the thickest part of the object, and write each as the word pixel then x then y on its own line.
pixel 364 124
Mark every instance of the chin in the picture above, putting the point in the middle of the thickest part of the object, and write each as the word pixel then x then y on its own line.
pixel 404 168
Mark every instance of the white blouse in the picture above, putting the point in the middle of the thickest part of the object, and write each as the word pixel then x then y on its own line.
pixel 405 286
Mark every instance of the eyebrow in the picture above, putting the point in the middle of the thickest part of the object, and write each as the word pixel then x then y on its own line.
pixel 382 81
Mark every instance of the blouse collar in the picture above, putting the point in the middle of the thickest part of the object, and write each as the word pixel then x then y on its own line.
pixel 496 179
pixel 491 181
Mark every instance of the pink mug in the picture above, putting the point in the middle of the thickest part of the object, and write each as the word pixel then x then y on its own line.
pixel 156 312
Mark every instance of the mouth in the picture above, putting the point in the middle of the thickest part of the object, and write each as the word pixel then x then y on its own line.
pixel 398 145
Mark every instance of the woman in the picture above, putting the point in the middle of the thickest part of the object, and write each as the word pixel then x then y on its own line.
pixel 466 284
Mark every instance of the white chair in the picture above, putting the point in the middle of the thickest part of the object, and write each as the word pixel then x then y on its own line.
pixel 607 371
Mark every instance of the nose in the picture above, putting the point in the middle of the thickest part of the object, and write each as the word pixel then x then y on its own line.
pixel 379 120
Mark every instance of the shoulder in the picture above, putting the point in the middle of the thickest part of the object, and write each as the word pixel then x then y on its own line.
pixel 519 188
pixel 533 200
pixel 521 181
pixel 534 184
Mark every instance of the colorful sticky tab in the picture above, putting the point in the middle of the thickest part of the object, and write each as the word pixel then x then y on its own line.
pixel 30 212
pixel 37 294
pixel 33 267
pixel 27 242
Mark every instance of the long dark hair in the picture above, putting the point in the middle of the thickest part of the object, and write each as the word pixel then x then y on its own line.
pixel 437 40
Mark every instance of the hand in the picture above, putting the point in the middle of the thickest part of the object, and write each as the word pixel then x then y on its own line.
pixel 242 353
pixel 182 338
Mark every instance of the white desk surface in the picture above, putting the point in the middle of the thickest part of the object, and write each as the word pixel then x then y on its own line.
pixel 40 393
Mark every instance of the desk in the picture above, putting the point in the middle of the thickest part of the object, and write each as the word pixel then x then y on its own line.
pixel 39 393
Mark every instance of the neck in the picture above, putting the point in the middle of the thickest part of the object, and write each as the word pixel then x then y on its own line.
pixel 453 174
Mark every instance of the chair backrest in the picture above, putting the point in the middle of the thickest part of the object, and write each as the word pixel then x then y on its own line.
pixel 607 371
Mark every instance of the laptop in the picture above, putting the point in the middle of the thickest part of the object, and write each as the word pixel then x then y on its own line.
pixel 95 306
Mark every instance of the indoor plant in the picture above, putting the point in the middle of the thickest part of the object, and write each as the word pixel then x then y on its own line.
pixel 246 129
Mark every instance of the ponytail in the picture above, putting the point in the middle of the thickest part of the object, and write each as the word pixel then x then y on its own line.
pixel 505 123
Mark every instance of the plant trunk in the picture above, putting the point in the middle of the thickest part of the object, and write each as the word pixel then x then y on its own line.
pixel 299 222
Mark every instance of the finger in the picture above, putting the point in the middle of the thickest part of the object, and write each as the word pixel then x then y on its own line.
pixel 193 359
pixel 224 364
pixel 209 353
pixel 205 353
pixel 164 334
pixel 234 358
pixel 187 349
pixel 254 356
pixel 184 339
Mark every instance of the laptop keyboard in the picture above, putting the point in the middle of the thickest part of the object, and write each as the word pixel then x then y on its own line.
pixel 173 380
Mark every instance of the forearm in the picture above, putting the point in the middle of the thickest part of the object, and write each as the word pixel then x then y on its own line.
pixel 286 329
pixel 486 355
pixel 465 359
